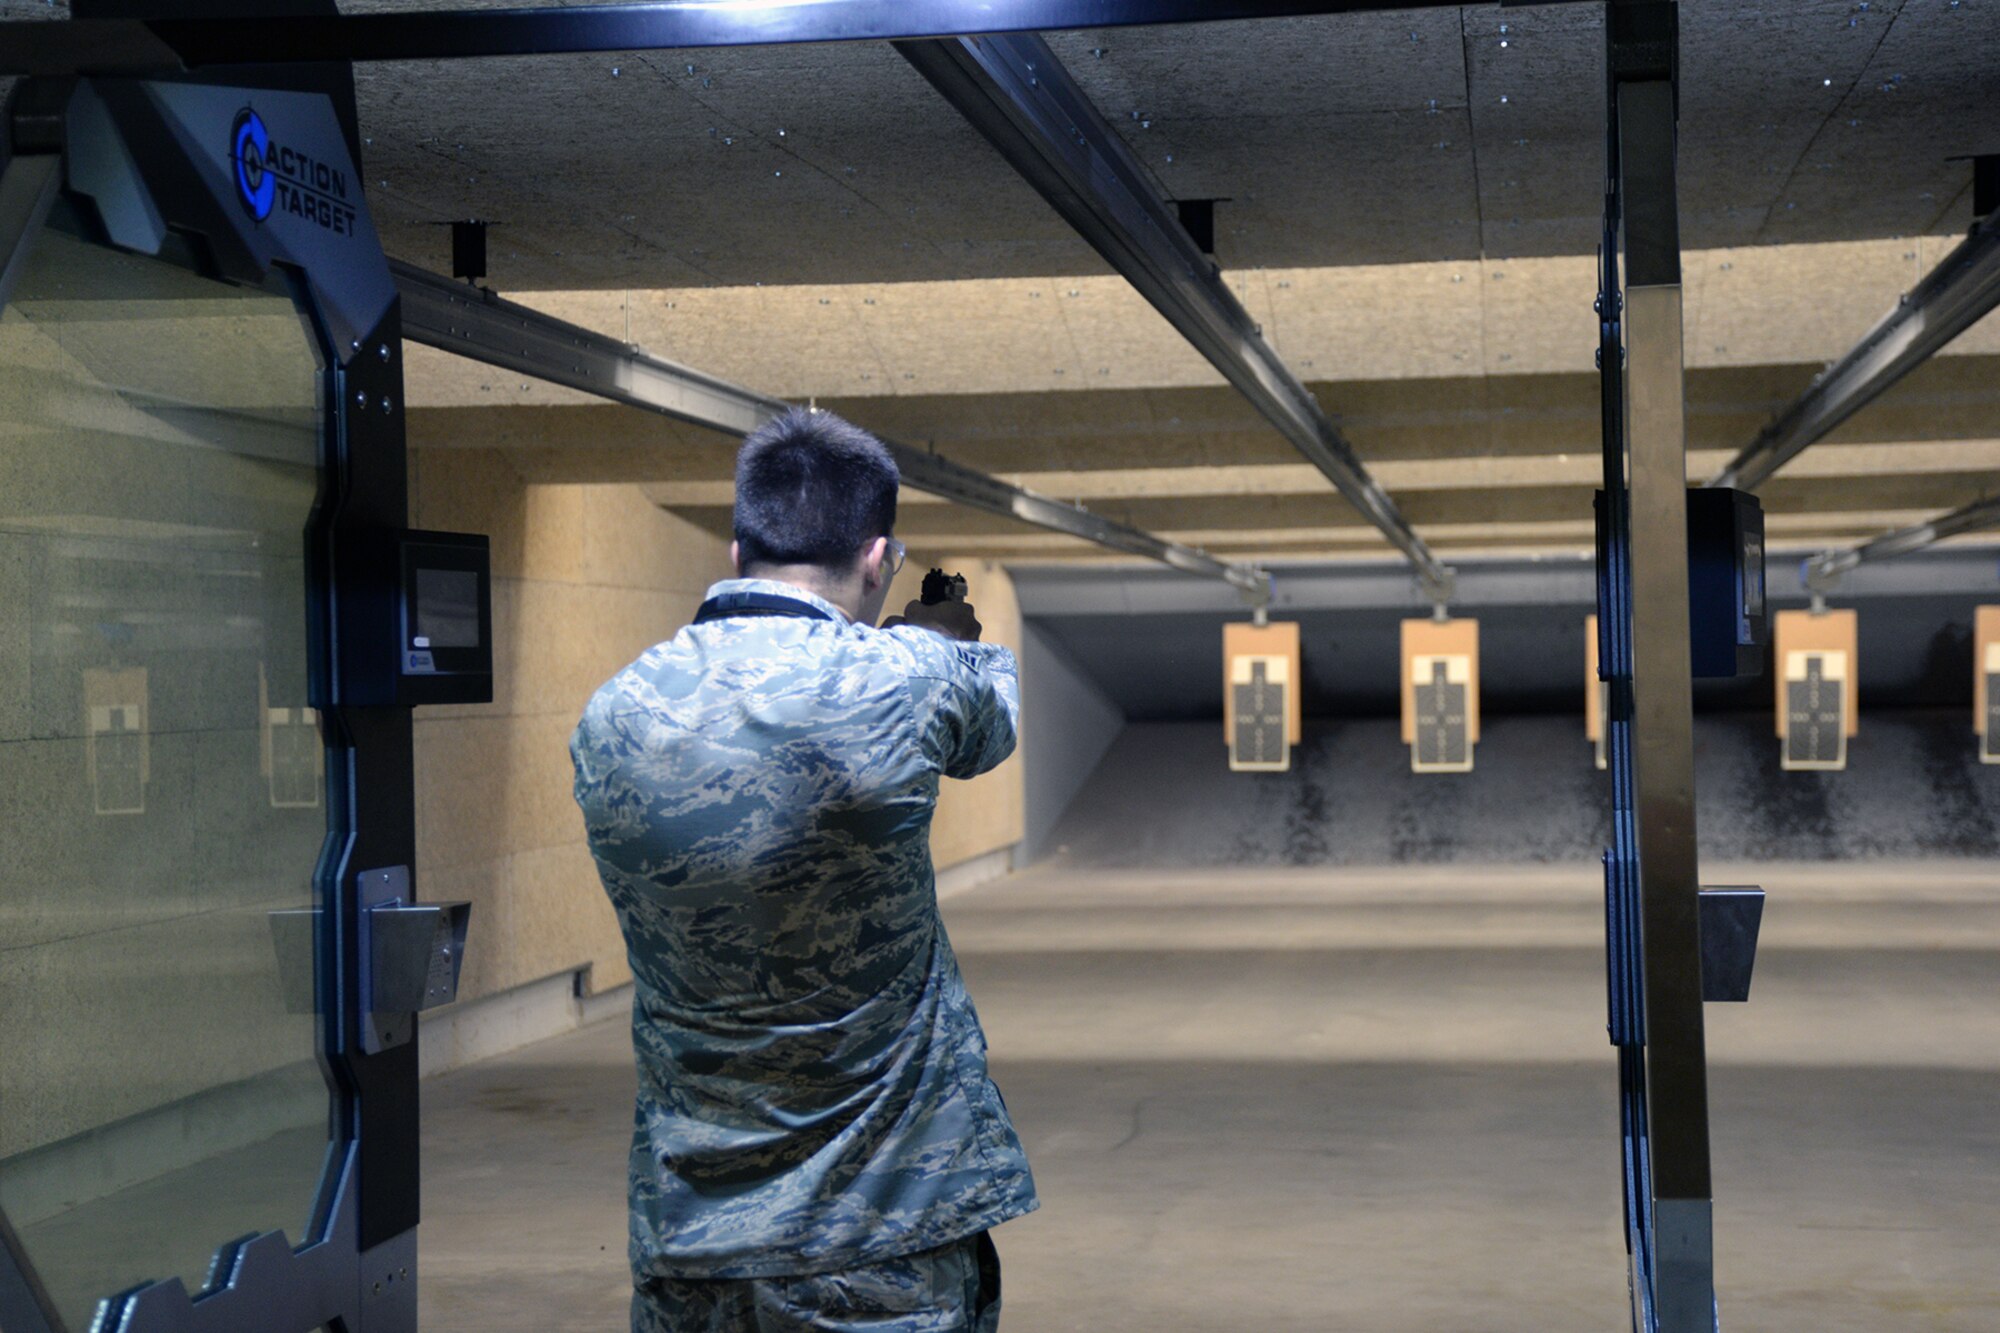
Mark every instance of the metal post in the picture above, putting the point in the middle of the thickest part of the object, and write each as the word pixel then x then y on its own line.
pixel 1673 1157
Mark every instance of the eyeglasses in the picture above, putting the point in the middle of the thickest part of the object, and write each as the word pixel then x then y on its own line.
pixel 897 554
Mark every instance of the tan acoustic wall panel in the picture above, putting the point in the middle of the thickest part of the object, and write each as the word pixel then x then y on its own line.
pixel 1277 639
pixel 585 578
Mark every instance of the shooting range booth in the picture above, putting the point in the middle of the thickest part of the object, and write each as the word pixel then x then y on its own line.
pixel 209 1056
pixel 210 792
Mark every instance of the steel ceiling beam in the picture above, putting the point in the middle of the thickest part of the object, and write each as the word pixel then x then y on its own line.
pixel 102 46
pixel 1951 298
pixel 1823 571
pixel 1016 93
pixel 470 322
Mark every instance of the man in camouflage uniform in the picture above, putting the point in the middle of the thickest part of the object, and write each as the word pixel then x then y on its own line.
pixel 817 1144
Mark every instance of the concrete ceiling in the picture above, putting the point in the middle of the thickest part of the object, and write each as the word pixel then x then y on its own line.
pixel 1342 140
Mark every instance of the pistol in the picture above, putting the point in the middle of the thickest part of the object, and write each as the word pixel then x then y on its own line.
pixel 942 587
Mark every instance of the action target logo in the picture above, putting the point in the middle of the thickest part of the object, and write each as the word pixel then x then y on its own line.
pixel 250 150
pixel 275 176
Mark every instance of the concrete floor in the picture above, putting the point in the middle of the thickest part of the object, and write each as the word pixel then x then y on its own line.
pixel 1361 1100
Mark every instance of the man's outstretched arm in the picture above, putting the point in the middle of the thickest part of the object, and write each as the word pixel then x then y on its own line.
pixel 969 693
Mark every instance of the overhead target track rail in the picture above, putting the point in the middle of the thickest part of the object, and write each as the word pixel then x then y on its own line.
pixel 476 324
pixel 1821 572
pixel 1016 92
pixel 1962 290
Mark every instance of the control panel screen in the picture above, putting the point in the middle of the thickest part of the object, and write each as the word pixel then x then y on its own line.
pixel 415 622
pixel 1753 575
pixel 447 618
pixel 447 608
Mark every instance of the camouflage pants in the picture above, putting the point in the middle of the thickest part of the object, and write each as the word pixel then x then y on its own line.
pixel 952 1289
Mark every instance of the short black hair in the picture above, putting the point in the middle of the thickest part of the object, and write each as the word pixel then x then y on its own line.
pixel 812 489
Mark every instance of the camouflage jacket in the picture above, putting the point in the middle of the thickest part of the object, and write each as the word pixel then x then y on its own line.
pixel 758 793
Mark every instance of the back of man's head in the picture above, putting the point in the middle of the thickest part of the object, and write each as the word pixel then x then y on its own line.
pixel 812 489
